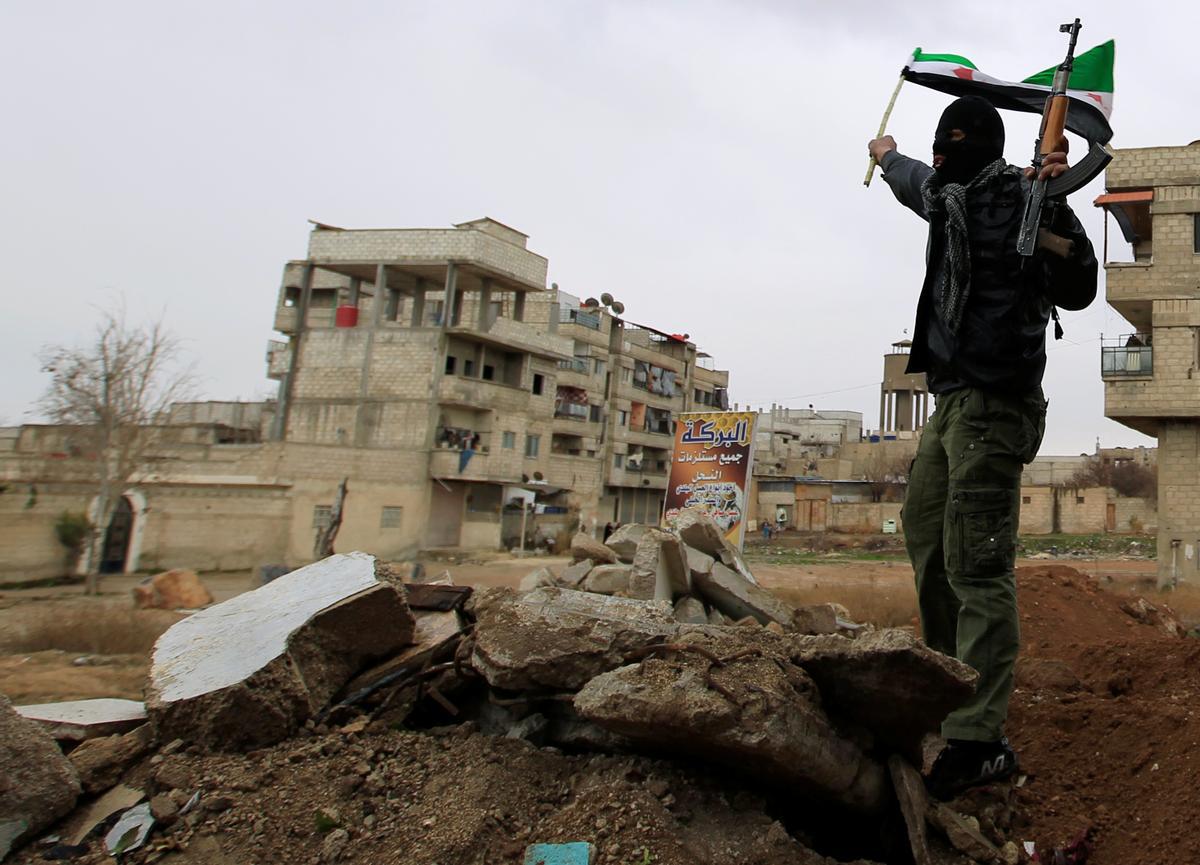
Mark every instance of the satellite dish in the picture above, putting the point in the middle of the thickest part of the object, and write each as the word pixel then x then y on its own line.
pixel 606 299
pixel 618 307
pixel 524 478
pixel 591 302
pixel 554 285
pixel 537 476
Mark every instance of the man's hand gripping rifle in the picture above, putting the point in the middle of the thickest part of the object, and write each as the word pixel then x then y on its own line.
pixel 1053 181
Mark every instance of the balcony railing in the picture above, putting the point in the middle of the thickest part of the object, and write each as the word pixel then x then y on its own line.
pixel 1129 355
pixel 582 317
pixel 577 364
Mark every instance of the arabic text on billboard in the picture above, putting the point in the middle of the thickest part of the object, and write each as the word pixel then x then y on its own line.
pixel 710 468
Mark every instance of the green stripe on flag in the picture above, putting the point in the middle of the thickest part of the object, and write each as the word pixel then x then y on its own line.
pixel 923 57
pixel 1093 70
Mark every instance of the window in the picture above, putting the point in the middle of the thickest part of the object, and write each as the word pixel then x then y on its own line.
pixel 321 516
pixel 594 413
pixel 618 460
pixel 1196 233
pixel 508 440
pixel 531 445
pixel 389 517
pixel 489 372
pixel 1026 500
pixel 626 374
pixel 599 367
pixel 591 453
pixel 622 417
pixel 539 382
pixel 468 367
pixel 699 395
pixel 1078 500
pixel 451 362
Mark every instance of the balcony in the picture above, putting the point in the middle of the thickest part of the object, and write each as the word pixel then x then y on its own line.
pixel 1129 356
pixel 477 393
pixel 444 464
pixel 508 333
pixel 640 476
pixel 279 359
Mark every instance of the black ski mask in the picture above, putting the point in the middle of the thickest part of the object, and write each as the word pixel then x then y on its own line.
pixel 982 144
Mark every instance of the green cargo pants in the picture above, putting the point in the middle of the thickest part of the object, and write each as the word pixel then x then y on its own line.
pixel 960 525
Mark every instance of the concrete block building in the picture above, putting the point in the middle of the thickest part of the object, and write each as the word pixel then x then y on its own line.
pixel 431 368
pixel 1151 373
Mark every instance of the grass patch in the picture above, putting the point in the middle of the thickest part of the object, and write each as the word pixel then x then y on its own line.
pixel 92 629
pixel 890 604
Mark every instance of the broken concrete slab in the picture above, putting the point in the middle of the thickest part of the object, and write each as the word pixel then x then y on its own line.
pixel 534 579
pixel 38 785
pixel 758 714
pixel 698 563
pixel 252 670
pixel 624 541
pixel 914 803
pixel 177 589
pixel 559 638
pixel 434 633
pixel 963 834
pixel 608 579
pixel 574 574
pixel 660 569
pixel 76 720
pixel 815 619
pixel 698 530
pixel 736 598
pixel 586 547
pixel 887 681
pixel 690 611
pixel 101 762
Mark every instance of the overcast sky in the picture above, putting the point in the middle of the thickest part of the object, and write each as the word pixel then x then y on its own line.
pixel 701 161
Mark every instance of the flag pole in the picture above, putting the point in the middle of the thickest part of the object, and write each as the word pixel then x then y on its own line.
pixel 887 113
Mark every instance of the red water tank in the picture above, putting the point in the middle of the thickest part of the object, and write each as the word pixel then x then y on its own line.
pixel 346 316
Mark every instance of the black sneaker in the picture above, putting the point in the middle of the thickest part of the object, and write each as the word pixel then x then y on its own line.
pixel 964 764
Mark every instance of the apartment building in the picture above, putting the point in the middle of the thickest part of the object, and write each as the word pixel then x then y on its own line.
pixel 434 371
pixel 1151 372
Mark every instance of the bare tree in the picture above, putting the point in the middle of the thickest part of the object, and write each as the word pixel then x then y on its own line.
pixel 113 394
pixel 886 472
pixel 1127 477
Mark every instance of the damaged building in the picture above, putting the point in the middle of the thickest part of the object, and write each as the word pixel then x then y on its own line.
pixel 432 368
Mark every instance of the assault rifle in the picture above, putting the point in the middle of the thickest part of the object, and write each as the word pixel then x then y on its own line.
pixel 1054 118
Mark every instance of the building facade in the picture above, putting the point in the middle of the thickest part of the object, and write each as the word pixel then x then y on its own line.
pixel 434 371
pixel 1152 372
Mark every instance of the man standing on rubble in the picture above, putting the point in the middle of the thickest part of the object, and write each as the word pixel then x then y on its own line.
pixel 980 338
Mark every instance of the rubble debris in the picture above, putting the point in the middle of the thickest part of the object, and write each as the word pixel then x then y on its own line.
pixel 534 579
pixel 698 530
pixel 267 573
pixel 434 633
pixel 690 611
pixel 887 681
pixel 570 853
pixel 624 541
pixel 1046 674
pixel 737 598
pixel 130 831
pixel 531 728
pixel 575 573
pixel 251 670
pixel 584 546
pixel 436 596
pixel 560 638
pixel 741 702
pixel 608 579
pixel 1148 614
pixel 815 619
pixel 82 822
pixel 963 833
pixel 177 589
pixel 910 793
pixel 38 785
pixel 660 568
pixel 101 762
pixel 700 564
pixel 77 720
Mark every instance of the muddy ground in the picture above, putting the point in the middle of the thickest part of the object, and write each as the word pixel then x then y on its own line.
pixel 1103 718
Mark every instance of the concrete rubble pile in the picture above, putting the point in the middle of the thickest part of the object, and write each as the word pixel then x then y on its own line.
pixel 656 642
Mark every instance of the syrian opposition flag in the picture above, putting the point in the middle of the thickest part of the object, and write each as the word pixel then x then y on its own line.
pixel 1090 87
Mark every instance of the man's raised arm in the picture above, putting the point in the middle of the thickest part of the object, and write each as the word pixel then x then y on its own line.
pixel 902 174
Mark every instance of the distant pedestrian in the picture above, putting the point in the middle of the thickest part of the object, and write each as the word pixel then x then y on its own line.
pixel 766 530
pixel 609 528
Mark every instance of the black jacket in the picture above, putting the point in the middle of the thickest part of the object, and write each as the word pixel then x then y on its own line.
pixel 1001 341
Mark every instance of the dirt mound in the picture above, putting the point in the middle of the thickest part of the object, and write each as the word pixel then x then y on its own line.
pixel 1104 723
